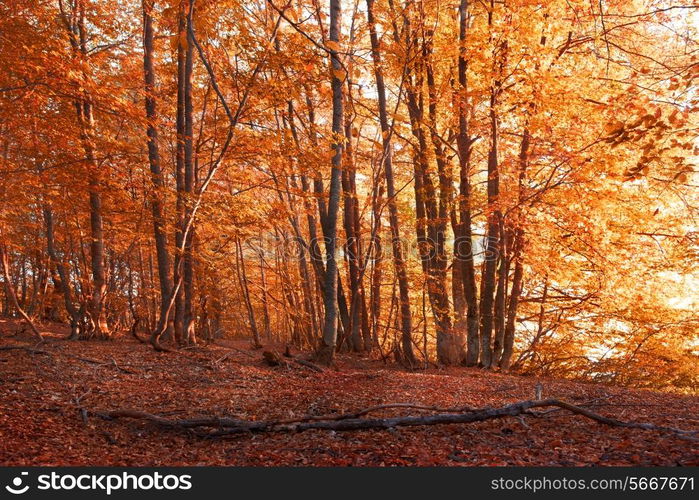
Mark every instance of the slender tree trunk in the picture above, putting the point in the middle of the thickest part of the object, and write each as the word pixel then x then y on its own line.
pixel 23 281
pixel 452 347
pixel 463 246
pixel 147 292
pixel 189 181
pixel 97 255
pixel 183 47
pixel 398 257
pixel 310 323
pixel 13 294
pixel 314 244
pixel 265 306
pixel 157 204
pixel 38 278
pixel 457 293
pixel 449 348
pixel 493 214
pixel 75 25
pixel 311 319
pixel 430 228
pixel 492 244
pixel 319 191
pixel 72 311
pixel 352 243
pixel 500 298
pixel 351 211
pixel 517 257
pixel 243 280
pixel 509 337
pixel 516 221
pixel 376 266
pixel 327 348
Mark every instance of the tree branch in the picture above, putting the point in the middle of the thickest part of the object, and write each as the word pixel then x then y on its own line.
pixel 353 421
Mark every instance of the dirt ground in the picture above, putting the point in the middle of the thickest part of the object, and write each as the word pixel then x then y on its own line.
pixel 41 394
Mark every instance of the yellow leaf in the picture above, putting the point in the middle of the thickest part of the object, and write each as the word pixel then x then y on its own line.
pixel 614 127
pixel 292 14
pixel 174 40
pixel 339 74
pixel 332 45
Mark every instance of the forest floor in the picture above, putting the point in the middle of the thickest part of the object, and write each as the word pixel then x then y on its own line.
pixel 41 394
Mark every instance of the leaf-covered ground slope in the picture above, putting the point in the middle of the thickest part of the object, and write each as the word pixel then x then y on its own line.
pixel 41 423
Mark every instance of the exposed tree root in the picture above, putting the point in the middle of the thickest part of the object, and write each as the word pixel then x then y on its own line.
pixel 134 331
pixel 353 421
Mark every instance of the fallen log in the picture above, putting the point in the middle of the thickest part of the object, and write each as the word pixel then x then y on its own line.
pixel 373 409
pixel 353 421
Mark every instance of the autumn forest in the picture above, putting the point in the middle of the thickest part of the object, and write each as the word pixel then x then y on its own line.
pixel 491 196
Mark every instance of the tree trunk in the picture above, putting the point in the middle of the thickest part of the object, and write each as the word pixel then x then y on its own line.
pixel 75 25
pixel 509 337
pixel 449 344
pixel 493 214
pixel 492 244
pixel 73 314
pixel 376 264
pixel 312 320
pixel 353 249
pixel 517 249
pixel 183 47
pixel 352 242
pixel 430 229
pixel 500 297
pixel 12 293
pixel 327 348
pixel 265 307
pixel 243 280
pixel 463 245
pixel 387 157
pixel 157 204
pixel 317 258
pixel 189 181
